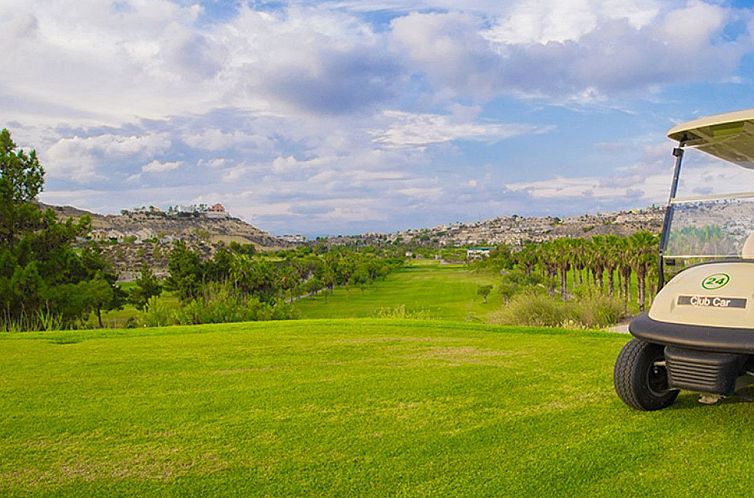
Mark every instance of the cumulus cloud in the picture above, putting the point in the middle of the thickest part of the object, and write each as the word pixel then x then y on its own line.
pixel 214 139
pixel 77 158
pixel 409 129
pixel 545 21
pixel 115 63
pixel 580 50
pixel 161 167
pixel 324 117
pixel 636 184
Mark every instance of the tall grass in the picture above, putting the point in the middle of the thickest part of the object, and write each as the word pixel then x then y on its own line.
pixel 538 309
pixel 39 320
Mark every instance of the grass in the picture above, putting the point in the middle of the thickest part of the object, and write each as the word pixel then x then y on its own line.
pixel 349 407
pixel 444 292
pixel 424 288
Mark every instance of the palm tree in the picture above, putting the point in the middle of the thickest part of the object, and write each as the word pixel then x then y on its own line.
pixel 644 248
pixel 562 254
pixel 625 268
pixel 598 259
pixel 526 258
pixel 580 254
pixel 611 253
pixel 547 261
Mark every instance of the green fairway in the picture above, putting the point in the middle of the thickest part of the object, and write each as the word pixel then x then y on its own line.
pixel 429 289
pixel 349 407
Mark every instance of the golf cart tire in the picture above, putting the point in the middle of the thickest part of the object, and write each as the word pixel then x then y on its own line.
pixel 631 377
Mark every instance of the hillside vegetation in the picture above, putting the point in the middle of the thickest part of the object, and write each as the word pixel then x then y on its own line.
pixel 348 407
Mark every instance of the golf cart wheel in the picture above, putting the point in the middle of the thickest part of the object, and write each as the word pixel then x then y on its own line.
pixel 639 380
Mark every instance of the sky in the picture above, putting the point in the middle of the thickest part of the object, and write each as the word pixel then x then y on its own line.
pixel 344 117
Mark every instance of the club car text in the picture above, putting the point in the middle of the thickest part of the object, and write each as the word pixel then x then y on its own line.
pixel 712 302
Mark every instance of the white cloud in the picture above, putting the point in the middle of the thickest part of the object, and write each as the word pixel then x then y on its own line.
pixel 77 158
pixel 290 164
pixel 705 177
pixel 234 174
pixel 544 21
pixel 422 193
pixel 113 63
pixel 317 117
pixel 579 50
pixel 408 129
pixel 161 167
pixel 215 140
pixel 217 162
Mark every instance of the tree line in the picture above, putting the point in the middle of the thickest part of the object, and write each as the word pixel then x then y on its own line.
pixel 51 277
pixel 237 285
pixel 44 281
pixel 604 262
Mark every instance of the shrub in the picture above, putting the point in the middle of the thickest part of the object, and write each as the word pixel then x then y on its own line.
pixel 157 314
pixel 532 308
pixel 597 310
pixel 484 291
pixel 516 281
pixel 221 305
pixel 537 309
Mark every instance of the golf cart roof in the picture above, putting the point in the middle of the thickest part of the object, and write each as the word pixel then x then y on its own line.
pixel 728 136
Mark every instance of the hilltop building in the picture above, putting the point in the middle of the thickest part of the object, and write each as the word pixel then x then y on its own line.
pixel 216 211
pixel 294 239
pixel 478 252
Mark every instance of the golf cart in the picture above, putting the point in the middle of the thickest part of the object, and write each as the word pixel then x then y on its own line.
pixel 699 332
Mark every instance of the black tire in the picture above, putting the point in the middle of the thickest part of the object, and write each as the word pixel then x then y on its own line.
pixel 640 383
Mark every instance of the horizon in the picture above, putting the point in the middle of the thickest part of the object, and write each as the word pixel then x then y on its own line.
pixel 343 117
pixel 311 237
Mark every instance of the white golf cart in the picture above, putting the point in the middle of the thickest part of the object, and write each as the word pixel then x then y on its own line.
pixel 699 332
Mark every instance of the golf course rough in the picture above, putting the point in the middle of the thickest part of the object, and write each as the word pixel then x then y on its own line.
pixel 348 407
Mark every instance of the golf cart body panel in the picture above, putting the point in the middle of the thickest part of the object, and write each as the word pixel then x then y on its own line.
pixel 699 332
pixel 721 293
pixel 698 337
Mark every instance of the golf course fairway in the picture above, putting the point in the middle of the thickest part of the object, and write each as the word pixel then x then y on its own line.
pixel 348 407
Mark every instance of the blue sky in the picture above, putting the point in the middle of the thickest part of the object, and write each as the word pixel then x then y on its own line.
pixel 354 116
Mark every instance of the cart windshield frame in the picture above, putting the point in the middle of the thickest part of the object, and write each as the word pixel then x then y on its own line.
pixel 727 136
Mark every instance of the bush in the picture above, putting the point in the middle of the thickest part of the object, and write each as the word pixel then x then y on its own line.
pixel 221 305
pixel 533 309
pixel 598 311
pixel 516 281
pixel 537 309
pixel 157 314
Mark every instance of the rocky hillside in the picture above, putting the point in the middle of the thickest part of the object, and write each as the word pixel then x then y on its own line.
pixel 142 226
pixel 134 238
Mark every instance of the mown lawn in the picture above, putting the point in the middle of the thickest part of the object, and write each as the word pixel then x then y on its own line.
pixel 429 289
pixel 349 407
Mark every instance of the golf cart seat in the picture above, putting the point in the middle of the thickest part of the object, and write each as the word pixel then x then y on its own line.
pixel 747 251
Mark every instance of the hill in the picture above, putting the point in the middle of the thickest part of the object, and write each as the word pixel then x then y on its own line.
pixel 514 230
pixel 349 408
pixel 142 225
pixel 146 224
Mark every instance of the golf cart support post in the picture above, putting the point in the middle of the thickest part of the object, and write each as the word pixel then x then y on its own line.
pixel 678 153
